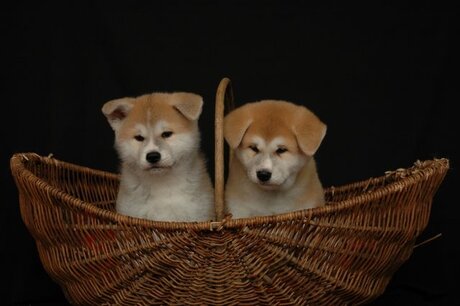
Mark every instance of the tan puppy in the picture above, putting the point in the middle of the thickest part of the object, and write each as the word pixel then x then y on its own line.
pixel 163 173
pixel 272 170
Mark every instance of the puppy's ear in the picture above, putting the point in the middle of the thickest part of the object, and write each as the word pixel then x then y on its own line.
pixel 188 104
pixel 236 123
pixel 117 110
pixel 309 131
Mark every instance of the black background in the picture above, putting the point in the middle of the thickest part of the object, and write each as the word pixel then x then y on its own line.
pixel 382 77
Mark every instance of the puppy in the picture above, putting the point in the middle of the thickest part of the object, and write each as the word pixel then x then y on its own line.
pixel 272 169
pixel 163 172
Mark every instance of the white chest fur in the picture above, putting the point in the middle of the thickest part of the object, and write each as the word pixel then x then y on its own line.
pixel 245 199
pixel 253 201
pixel 178 195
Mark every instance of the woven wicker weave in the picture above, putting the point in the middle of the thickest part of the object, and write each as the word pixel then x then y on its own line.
pixel 344 253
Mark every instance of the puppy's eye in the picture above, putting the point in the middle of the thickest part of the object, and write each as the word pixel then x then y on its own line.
pixel 166 134
pixel 280 151
pixel 254 148
pixel 139 138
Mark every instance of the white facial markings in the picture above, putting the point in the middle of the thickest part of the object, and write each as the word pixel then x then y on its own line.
pixel 276 143
pixel 266 163
pixel 141 130
pixel 258 141
pixel 160 127
pixel 150 141
pixel 283 167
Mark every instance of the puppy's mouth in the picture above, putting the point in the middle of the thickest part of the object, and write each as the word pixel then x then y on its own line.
pixel 158 168
pixel 268 185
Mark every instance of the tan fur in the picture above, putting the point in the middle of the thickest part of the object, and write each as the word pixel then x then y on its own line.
pixel 152 109
pixel 299 131
pixel 270 118
pixel 177 187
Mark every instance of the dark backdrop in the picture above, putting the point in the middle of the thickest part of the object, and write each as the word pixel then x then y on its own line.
pixel 382 77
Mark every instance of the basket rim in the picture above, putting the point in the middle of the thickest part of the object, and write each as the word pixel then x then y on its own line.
pixel 404 177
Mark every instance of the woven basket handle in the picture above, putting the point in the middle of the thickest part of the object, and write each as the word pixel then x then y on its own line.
pixel 224 102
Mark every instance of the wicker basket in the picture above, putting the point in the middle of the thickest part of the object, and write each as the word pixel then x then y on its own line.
pixel 344 253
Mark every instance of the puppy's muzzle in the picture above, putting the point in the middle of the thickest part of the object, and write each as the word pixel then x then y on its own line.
pixel 264 175
pixel 153 157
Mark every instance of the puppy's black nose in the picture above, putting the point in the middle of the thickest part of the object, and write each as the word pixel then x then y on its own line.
pixel 153 157
pixel 264 175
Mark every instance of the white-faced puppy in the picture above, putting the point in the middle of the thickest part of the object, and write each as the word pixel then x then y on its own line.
pixel 163 172
pixel 272 170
